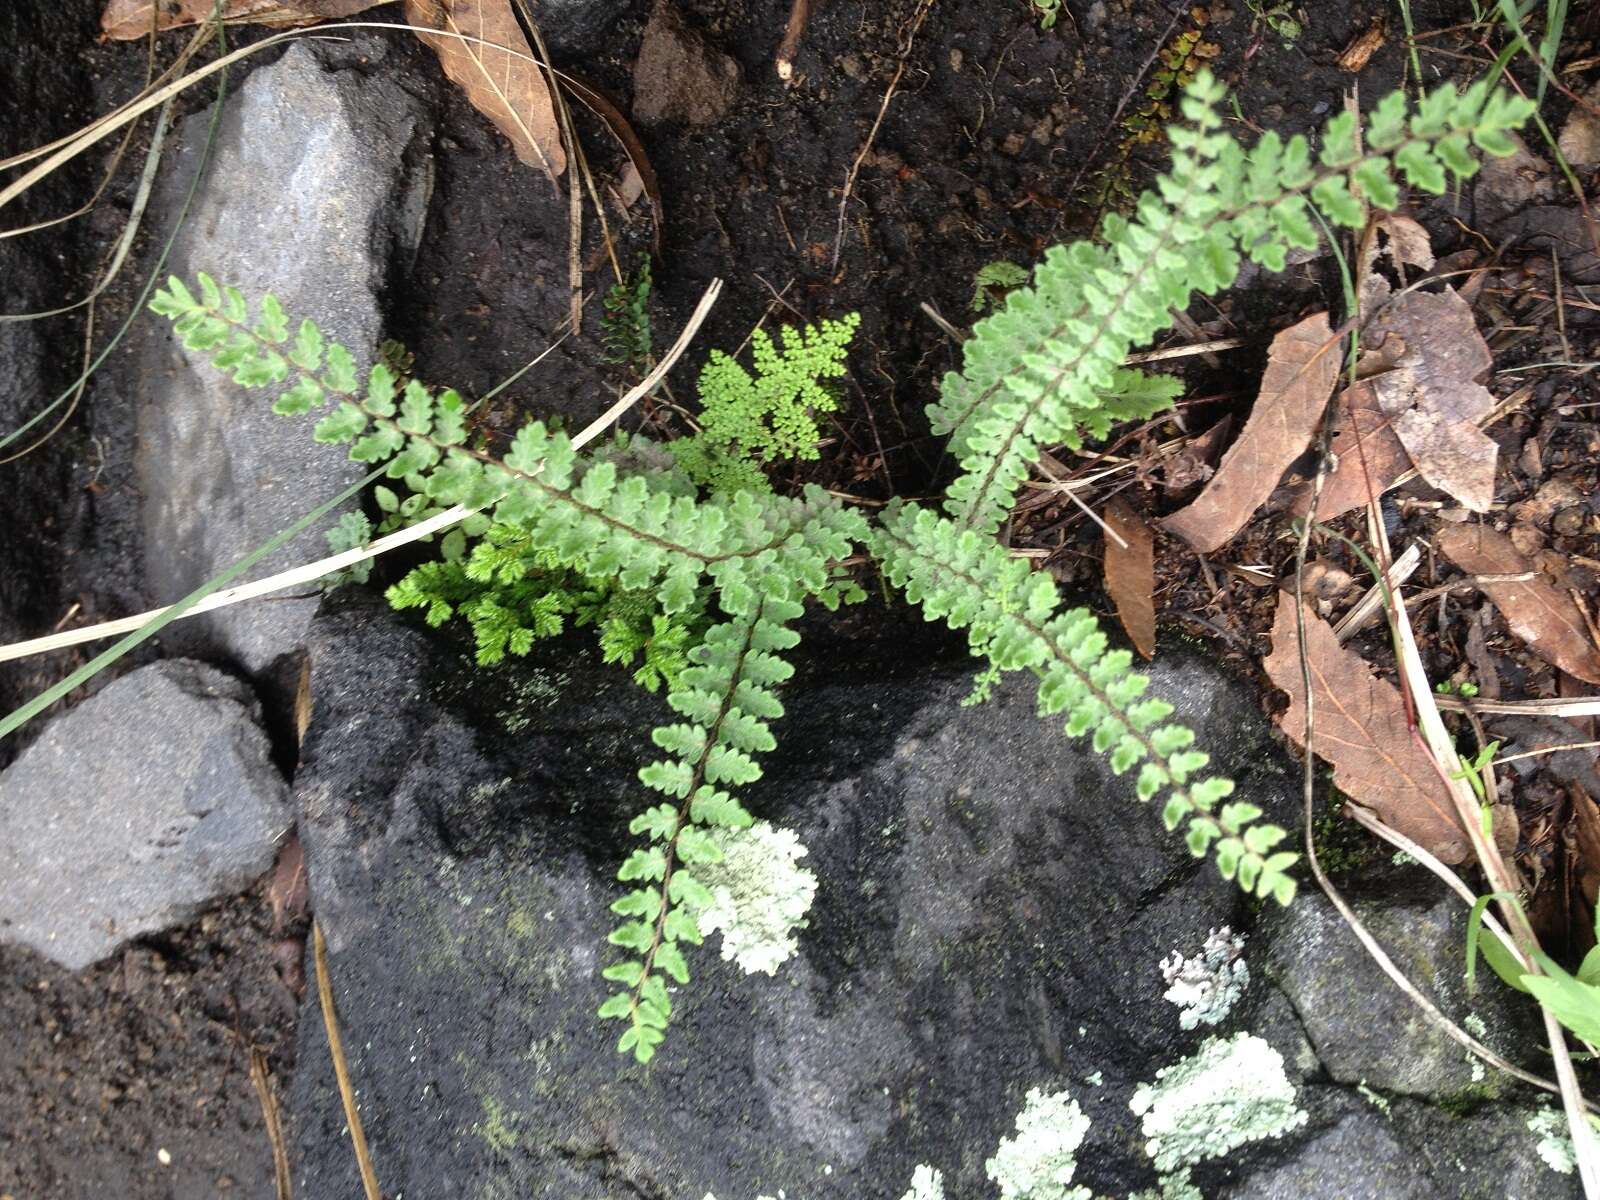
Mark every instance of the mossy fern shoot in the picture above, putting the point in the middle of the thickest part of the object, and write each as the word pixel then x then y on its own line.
pixel 691 563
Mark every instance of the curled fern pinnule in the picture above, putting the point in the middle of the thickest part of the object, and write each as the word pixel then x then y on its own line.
pixel 1014 620
pixel 1041 369
pixel 726 695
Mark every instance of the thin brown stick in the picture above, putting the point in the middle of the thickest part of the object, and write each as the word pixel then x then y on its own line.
pixel 282 1180
pixel 866 147
pixel 799 14
pixel 341 1071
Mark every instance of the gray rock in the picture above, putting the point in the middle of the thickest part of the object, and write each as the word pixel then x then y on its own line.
pixel 992 907
pixel 309 195
pixel 1358 1157
pixel 1362 1027
pixel 133 810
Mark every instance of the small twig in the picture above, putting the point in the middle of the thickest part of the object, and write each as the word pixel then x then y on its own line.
pixel 1370 604
pixel 949 330
pixel 1056 477
pixel 799 14
pixel 866 147
pixel 341 1071
pixel 282 1179
pixel 1509 758
pixel 1206 348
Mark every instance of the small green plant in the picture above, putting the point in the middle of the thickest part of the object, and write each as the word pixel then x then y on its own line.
pixel 1000 275
pixel 751 421
pixel 625 320
pixel 737 567
pixel 1278 16
pixel 1047 11
pixel 1451 687
pixel 1574 999
pixel 1176 65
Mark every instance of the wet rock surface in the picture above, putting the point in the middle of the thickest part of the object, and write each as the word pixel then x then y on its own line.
pixel 313 188
pixel 1355 1016
pixel 133 810
pixel 991 911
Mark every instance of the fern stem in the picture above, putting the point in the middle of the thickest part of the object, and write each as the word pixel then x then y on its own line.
pixel 977 586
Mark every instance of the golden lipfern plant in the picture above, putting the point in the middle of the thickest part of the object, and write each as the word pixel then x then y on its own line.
pixel 1045 369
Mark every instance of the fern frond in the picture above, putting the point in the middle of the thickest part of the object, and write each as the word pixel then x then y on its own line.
pixel 726 697
pixel 1042 370
pixel 640 531
pixel 1014 619
pixel 769 415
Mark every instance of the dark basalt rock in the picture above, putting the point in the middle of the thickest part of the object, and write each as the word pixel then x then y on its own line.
pixel 991 912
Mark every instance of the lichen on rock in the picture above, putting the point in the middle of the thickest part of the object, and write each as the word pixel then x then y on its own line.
pixel 926 1184
pixel 760 896
pixel 1555 1144
pixel 1232 1091
pixel 1039 1162
pixel 1207 986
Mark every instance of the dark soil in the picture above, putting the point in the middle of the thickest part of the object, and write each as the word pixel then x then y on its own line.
pixel 992 147
pixel 132 1079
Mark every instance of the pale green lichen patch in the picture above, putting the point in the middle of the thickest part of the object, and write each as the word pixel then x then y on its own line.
pixel 1206 986
pixel 1555 1144
pixel 1177 1186
pixel 759 895
pixel 1039 1162
pixel 926 1184
pixel 496 1128
pixel 1232 1091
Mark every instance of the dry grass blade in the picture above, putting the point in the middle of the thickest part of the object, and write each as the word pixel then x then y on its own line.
pixel 1370 604
pixel 1302 367
pixel 1130 573
pixel 282 1180
pixel 126 20
pixel 311 572
pixel 341 1069
pixel 1361 728
pixel 1582 706
pixel 489 58
pixel 1540 613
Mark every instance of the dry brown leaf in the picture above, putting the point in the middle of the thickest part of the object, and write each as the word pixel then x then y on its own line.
pixel 508 88
pixel 124 20
pixel 289 893
pixel 1432 396
pixel 1536 610
pixel 1579 142
pixel 1359 727
pixel 1408 241
pixel 1368 456
pixel 1302 366
pixel 1131 574
pixel 1197 461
